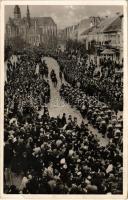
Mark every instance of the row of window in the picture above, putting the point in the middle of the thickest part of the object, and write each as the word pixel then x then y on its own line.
pixel 113 38
pixel 51 31
pixel 34 39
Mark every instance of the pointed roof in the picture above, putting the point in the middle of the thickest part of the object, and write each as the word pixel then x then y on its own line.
pixel 45 21
pixel 85 23
pixel 28 12
pixel 115 26
pixel 87 31
pixel 42 21
pixel 110 24
pixel 17 10
pixel 27 8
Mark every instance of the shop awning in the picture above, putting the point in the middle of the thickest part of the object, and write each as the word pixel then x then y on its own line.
pixel 108 52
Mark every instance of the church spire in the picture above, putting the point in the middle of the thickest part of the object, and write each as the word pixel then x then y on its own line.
pixel 17 13
pixel 28 16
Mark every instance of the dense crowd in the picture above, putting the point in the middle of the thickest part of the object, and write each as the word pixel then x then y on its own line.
pixel 98 113
pixel 55 155
pixel 104 81
pixel 25 88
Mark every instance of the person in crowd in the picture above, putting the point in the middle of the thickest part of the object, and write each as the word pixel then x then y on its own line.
pixel 104 81
pixel 97 112
pixel 63 158
pixel 56 155
pixel 61 76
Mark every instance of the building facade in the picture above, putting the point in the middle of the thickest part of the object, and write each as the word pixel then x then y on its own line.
pixel 106 37
pixel 37 31
pixel 70 33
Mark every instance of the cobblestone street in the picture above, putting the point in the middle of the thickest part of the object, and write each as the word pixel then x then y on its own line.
pixel 57 106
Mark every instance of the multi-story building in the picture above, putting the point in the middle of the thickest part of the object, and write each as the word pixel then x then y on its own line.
pixel 70 32
pixel 34 31
pixel 106 37
pixel 113 37
pixel 66 34
pixel 87 24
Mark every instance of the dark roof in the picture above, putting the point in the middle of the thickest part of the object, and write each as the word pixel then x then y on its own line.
pixel 112 24
pixel 43 21
pixel 109 24
pixel 87 31
pixel 115 25
pixel 85 23
pixel 17 9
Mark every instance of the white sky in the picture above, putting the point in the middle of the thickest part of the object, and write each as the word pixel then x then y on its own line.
pixel 65 15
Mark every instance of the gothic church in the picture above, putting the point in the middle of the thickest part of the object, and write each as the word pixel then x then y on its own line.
pixel 35 31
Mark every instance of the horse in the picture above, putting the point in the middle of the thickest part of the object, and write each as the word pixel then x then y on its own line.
pixel 54 79
pixel 61 76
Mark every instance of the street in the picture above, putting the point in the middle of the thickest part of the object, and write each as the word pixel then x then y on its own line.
pixel 58 106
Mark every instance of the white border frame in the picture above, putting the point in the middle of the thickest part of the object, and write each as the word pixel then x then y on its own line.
pixel 125 99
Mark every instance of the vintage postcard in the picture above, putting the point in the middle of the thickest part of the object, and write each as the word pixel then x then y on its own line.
pixel 63 81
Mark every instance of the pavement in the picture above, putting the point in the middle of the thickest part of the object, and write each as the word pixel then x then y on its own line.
pixel 57 106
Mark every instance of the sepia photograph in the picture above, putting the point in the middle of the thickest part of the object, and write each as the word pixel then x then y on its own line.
pixel 63 99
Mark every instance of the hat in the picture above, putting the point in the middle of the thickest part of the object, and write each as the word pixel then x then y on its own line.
pixel 79 173
pixel 65 166
pixel 29 176
pixel 62 161
pixel 58 143
pixel 73 133
pixel 89 177
pixel 78 161
pixel 71 152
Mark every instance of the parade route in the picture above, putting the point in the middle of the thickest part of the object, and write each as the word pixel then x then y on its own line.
pixel 63 99
pixel 58 106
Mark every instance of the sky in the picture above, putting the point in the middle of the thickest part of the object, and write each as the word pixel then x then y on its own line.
pixel 64 15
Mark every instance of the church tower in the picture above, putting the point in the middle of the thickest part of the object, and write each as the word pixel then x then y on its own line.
pixel 17 12
pixel 28 17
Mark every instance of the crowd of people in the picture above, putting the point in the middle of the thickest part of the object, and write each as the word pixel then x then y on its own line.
pixel 55 155
pixel 25 88
pixel 98 113
pixel 104 81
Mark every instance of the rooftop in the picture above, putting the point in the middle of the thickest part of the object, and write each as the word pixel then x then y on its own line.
pixel 109 24
pixel 115 25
